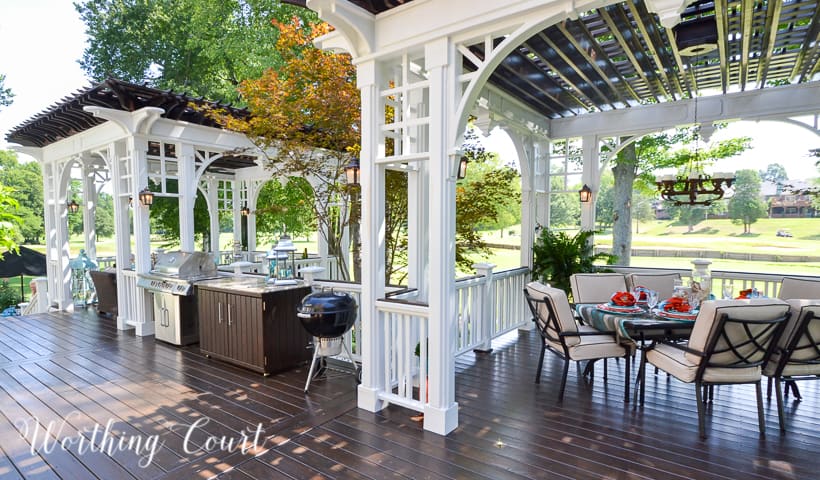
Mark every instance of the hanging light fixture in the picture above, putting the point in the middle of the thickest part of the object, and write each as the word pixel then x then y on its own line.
pixel 462 168
pixel 352 172
pixel 73 206
pixel 146 197
pixel 585 194
pixel 694 186
pixel 245 210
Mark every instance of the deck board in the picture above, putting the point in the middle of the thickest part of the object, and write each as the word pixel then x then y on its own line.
pixel 79 368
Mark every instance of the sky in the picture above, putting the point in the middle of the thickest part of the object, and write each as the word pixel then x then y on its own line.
pixel 42 40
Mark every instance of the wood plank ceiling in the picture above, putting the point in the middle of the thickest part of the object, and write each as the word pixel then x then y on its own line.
pixel 620 56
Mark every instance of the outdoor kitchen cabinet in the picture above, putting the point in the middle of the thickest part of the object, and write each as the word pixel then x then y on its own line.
pixel 255 328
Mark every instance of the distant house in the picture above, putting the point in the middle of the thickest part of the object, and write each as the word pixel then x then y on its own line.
pixel 787 205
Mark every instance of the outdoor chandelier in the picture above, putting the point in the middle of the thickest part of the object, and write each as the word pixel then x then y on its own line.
pixel 694 187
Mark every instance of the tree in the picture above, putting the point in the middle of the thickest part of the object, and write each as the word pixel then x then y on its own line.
pixel 285 208
pixel 774 173
pixel 745 206
pixel 203 48
pixel 9 222
pixel 6 94
pixel 25 181
pixel 634 168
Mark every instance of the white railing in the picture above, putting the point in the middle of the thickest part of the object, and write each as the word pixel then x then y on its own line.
pixel 260 261
pixel 489 305
pixel 402 325
pixel 106 262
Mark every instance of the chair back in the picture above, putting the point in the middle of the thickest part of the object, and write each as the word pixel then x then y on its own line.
pixel 552 313
pixel 663 283
pixel 596 287
pixel 736 334
pixel 798 351
pixel 793 287
pixel 105 284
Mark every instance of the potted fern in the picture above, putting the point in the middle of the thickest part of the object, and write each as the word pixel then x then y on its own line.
pixel 557 256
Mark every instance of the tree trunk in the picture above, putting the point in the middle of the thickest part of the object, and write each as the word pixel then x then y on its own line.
pixel 624 171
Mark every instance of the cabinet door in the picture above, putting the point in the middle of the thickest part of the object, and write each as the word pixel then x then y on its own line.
pixel 245 324
pixel 212 323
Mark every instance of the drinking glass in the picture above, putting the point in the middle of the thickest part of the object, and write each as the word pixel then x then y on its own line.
pixel 728 290
pixel 651 299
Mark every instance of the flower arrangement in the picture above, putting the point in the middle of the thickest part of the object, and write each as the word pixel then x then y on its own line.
pixel 622 299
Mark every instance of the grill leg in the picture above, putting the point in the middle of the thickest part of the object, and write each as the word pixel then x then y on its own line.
pixel 313 363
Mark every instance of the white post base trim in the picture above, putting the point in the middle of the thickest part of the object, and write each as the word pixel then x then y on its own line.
pixel 144 329
pixel 122 323
pixel 527 327
pixel 441 420
pixel 369 399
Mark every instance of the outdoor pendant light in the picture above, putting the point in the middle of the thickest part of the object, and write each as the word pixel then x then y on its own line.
pixel 585 193
pixel 146 197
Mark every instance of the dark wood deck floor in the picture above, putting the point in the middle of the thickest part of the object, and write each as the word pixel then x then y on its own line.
pixel 63 375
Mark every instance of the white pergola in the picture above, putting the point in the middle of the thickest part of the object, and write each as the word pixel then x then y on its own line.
pixel 431 61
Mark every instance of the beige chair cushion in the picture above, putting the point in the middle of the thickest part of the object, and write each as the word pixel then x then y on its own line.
pixel 677 363
pixel 798 308
pixel 596 287
pixel 792 287
pixel 663 283
pixel 594 346
pixel 560 305
pixel 750 309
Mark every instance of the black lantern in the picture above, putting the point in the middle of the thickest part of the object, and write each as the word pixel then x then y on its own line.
pixel 585 194
pixel 146 197
pixel 352 172
pixel 462 168
pixel 73 207
pixel 245 211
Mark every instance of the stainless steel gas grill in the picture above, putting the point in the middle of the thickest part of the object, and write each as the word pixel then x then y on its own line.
pixel 172 284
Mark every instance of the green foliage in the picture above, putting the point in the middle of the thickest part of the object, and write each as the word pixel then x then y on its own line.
pixel 774 173
pixel 285 208
pixel 25 184
pixel 745 206
pixel 203 48
pixel 557 256
pixel 395 191
pixel 6 94
pixel 165 215
pixel 9 296
pixel 9 221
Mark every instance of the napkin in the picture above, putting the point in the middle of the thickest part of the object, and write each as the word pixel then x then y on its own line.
pixel 622 299
pixel 643 293
pixel 677 304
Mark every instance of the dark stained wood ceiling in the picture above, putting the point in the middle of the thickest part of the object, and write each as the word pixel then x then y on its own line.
pixel 68 118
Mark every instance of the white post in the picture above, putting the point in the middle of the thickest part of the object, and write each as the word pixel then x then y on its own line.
pixel 63 253
pixel 372 185
pixel 213 213
pixel 187 196
pixel 486 313
pixel 441 411
pixel 89 208
pixel 591 177
pixel 122 227
pixel 41 284
pixel 137 149
pixel 251 190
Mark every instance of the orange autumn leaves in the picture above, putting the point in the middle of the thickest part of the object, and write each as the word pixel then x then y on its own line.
pixel 310 100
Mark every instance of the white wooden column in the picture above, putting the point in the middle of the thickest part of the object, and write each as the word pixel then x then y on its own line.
pixel 89 209
pixel 60 184
pixel 252 191
pixel 213 212
pixel 541 165
pixel 187 196
pixel 441 412
pixel 137 146
pixel 51 216
pixel 591 176
pixel 372 235
pixel 236 205
pixel 526 160
pixel 116 152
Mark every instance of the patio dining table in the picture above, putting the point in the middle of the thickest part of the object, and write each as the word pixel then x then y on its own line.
pixel 634 330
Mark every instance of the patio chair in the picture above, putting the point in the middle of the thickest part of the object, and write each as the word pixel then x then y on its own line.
pixel 797 356
pixel 562 335
pixel 663 283
pixel 730 342
pixel 596 287
pixel 105 284
pixel 793 287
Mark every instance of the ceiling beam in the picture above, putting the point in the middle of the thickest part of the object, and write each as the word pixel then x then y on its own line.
pixel 769 103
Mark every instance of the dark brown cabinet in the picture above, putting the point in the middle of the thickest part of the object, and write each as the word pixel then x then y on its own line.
pixel 257 329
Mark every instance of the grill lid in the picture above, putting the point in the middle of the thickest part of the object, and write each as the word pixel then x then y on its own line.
pixel 185 264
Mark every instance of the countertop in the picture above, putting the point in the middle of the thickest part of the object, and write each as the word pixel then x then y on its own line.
pixel 247 285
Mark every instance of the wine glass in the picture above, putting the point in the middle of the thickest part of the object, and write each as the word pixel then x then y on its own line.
pixel 651 299
pixel 728 290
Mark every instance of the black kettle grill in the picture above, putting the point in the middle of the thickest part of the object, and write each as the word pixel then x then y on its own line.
pixel 327 315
